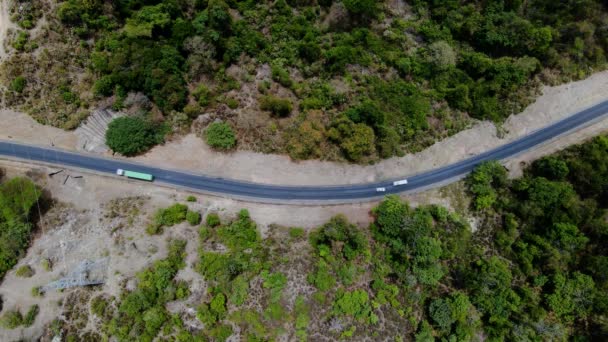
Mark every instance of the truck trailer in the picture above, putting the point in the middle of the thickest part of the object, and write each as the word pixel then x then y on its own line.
pixel 135 175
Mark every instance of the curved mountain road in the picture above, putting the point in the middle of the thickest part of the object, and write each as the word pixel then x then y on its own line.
pixel 278 193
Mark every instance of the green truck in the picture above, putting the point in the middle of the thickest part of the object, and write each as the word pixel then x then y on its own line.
pixel 135 175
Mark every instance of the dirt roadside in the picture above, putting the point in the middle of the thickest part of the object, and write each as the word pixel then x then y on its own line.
pixel 191 153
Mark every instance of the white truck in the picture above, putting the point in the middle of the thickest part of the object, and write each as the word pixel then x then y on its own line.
pixel 400 182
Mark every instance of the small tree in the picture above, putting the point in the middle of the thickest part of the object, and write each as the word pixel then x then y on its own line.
pixel 130 135
pixel 220 135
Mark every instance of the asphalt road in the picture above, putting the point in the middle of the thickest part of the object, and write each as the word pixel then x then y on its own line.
pixel 338 193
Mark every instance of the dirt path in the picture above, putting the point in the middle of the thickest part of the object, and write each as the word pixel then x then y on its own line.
pixel 5 24
pixel 191 153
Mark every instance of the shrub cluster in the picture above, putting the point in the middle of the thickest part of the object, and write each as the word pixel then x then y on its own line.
pixel 220 135
pixel 132 135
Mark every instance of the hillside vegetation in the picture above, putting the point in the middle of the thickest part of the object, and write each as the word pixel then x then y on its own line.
pixel 343 80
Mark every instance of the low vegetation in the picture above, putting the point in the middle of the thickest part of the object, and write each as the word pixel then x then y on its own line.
pixel 140 314
pixel 18 197
pixel 13 319
pixel 24 272
pixel 171 216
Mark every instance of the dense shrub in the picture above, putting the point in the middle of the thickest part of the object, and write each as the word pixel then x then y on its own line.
pixel 360 7
pixel 131 135
pixel 355 140
pixel 278 107
pixel 213 220
pixel 193 217
pixel 220 135
pixel 484 181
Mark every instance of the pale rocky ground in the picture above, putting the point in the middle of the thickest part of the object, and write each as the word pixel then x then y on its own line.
pixel 5 24
pixel 77 229
pixel 191 153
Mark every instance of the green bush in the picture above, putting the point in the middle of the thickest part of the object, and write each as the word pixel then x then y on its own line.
pixel 154 229
pixel 37 291
pixel 361 7
pixel 232 103
pixel 296 233
pixel 213 312
pixel 24 271
pixel 131 135
pixel 220 135
pixel 191 198
pixel 321 277
pixel 142 312
pixel 31 315
pixel 275 283
pixel 99 305
pixel 21 40
pixel 46 264
pixel 104 86
pixel 202 95
pixel 278 107
pixel 302 313
pixel 172 215
pixel 355 304
pixel 193 217
pixel 280 75
pixel 213 220
pixel 204 233
pixel 18 84
pixel 11 319
pixel 483 183
pixel 339 238
pixel 355 140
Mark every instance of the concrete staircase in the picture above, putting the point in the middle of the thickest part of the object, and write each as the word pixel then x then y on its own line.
pixel 92 133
